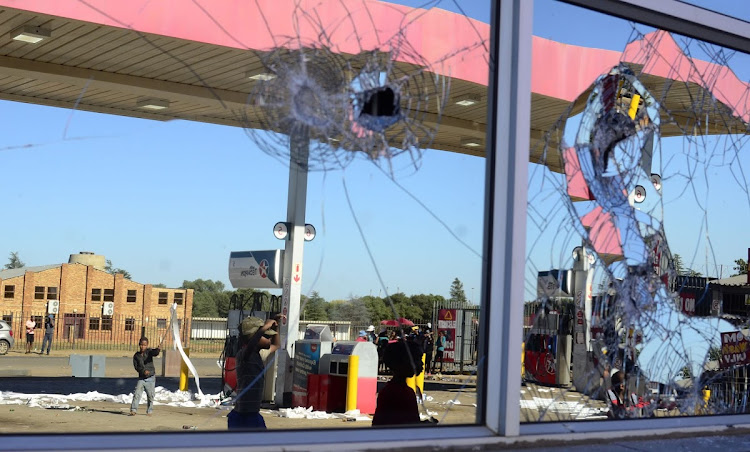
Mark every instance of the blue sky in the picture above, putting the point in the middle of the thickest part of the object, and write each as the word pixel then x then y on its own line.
pixel 169 201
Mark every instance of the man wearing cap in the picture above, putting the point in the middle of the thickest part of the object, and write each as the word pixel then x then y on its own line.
pixel 255 335
pixel 362 336
pixel 371 336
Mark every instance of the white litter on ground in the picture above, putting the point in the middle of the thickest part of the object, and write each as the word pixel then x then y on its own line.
pixel 308 413
pixel 185 399
pixel 574 409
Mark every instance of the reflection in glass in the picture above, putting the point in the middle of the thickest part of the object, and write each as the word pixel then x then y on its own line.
pixel 168 147
pixel 637 191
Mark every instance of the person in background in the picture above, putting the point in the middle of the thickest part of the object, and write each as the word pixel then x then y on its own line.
pixel 429 348
pixel 440 345
pixel 617 399
pixel 382 343
pixel 143 362
pixel 49 332
pixel 372 337
pixel 397 402
pixel 362 336
pixel 30 325
pixel 256 335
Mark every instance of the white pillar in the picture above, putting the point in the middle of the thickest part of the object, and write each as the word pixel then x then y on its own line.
pixel 583 378
pixel 292 276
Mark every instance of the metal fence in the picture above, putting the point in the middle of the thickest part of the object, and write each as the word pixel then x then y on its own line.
pixel 118 332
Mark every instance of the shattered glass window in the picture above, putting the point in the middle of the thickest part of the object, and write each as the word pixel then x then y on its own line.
pixel 636 300
pixel 163 137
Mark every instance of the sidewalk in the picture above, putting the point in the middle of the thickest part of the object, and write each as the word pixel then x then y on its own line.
pixel 118 364
pixel 19 352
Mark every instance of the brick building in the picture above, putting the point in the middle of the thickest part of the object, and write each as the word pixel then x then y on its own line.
pixel 82 288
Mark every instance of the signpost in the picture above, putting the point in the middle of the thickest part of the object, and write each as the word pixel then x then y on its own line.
pixel 447 324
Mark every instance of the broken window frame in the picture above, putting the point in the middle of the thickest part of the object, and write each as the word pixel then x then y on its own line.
pixel 505 238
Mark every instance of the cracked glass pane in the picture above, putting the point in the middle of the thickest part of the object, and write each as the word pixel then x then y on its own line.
pixel 636 270
pixel 165 166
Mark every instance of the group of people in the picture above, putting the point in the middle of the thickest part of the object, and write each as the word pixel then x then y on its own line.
pixel 396 401
pixel 49 332
pixel 428 345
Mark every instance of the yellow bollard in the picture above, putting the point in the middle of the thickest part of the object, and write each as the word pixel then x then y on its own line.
pixel 523 359
pixel 184 372
pixel 634 105
pixel 351 383
pixel 412 383
pixel 706 393
pixel 420 378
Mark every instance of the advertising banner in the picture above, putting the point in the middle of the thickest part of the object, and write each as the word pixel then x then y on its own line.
pixel 733 350
pixel 306 362
pixel 447 324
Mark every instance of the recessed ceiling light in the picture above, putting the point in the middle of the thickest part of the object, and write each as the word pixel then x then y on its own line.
pixel 152 104
pixel 467 100
pixel 260 74
pixel 471 142
pixel 30 34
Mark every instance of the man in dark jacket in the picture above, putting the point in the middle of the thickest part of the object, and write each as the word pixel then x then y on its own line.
pixel 49 331
pixel 143 362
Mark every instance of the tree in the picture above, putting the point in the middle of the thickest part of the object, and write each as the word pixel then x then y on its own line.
pixel 209 298
pixel 160 286
pixel 313 307
pixel 740 267
pixel 714 353
pixel 427 304
pixel 402 306
pixel 353 310
pixel 113 271
pixel 14 261
pixel 457 292
pixel 678 266
pixel 377 308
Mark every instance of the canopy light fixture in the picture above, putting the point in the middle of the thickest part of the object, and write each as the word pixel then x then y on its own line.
pixel 30 34
pixel 152 104
pixel 467 100
pixel 471 142
pixel 260 74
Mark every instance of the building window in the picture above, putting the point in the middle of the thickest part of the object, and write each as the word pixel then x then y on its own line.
pixel 178 298
pixel 109 294
pixel 96 294
pixel 38 319
pixel 94 323
pixel 163 297
pixel 52 293
pixel 161 323
pixel 10 291
pixel 129 324
pixel 39 293
pixel 106 323
pixel 8 318
pixel 131 296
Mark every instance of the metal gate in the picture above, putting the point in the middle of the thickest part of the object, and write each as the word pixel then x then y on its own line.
pixel 466 340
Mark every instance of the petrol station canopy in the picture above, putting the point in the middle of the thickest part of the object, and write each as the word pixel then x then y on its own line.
pixel 107 57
